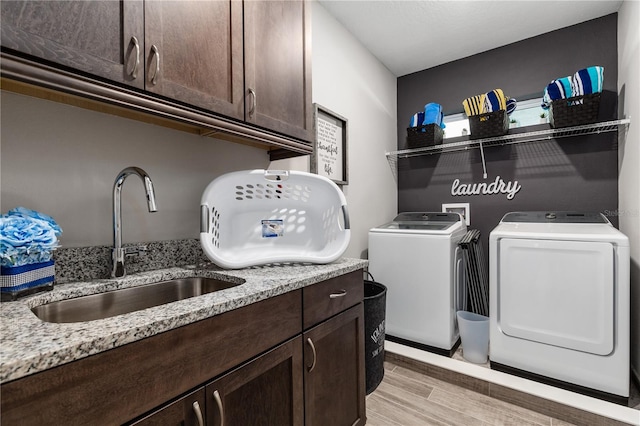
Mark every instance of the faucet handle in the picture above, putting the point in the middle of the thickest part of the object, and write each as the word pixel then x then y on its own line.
pixel 135 250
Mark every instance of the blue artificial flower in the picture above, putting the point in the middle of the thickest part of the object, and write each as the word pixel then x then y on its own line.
pixel 27 237
pixel 22 211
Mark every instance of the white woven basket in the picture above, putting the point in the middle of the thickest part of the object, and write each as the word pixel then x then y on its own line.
pixel 256 217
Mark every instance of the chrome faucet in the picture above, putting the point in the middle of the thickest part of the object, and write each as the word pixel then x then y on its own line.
pixel 118 253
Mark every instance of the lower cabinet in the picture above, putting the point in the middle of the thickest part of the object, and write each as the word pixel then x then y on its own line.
pixel 266 391
pixel 334 371
pixel 294 359
pixel 316 378
pixel 186 411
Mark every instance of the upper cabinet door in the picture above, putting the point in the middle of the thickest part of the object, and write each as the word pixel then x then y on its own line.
pixel 277 42
pixel 103 38
pixel 194 53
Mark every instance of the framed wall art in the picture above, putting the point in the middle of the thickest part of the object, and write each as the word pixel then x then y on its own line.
pixel 329 156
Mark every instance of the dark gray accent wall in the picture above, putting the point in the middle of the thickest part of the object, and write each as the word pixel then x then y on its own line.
pixel 522 70
pixel 574 173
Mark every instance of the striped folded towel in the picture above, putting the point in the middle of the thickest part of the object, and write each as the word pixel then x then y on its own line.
pixel 495 100
pixel 511 105
pixel 588 80
pixel 560 88
pixel 474 105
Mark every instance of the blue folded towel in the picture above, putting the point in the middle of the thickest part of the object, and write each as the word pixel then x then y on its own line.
pixel 588 80
pixel 511 105
pixel 560 88
pixel 417 119
pixel 433 114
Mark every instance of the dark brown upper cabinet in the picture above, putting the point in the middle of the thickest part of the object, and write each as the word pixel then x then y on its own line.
pixel 277 48
pixel 102 38
pixel 249 61
pixel 193 53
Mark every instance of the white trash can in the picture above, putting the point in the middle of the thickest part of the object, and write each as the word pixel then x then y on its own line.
pixel 474 333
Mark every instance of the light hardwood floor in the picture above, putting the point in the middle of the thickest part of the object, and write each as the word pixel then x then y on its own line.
pixel 409 398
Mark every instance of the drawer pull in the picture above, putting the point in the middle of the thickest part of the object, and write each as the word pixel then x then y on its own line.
pixel 342 293
pixel 313 350
pixel 216 396
pixel 155 52
pixel 254 101
pixel 196 409
pixel 136 45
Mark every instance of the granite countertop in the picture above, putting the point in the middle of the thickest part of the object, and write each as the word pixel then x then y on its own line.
pixel 29 345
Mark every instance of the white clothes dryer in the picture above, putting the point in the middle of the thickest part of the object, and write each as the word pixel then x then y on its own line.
pixel 559 301
pixel 416 256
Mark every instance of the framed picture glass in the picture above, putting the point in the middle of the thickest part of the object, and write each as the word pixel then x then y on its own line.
pixel 329 156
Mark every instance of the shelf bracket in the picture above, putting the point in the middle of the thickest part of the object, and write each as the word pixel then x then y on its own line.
pixel 484 165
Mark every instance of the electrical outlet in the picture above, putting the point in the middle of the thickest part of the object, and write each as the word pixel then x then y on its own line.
pixel 462 208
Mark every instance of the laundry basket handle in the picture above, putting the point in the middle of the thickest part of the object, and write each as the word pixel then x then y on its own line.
pixel 345 214
pixel 276 175
pixel 204 218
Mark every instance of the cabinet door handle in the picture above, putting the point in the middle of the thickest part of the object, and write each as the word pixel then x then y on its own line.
pixel 254 101
pixel 216 397
pixel 196 409
pixel 315 355
pixel 155 52
pixel 136 46
pixel 342 293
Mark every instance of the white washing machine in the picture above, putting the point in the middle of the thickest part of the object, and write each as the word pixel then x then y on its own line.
pixel 416 256
pixel 559 301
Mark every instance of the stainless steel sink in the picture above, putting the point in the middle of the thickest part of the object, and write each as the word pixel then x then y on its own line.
pixel 117 302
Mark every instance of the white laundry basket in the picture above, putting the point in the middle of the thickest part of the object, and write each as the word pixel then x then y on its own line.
pixel 256 217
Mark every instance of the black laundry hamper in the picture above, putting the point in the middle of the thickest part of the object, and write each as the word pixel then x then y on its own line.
pixel 375 299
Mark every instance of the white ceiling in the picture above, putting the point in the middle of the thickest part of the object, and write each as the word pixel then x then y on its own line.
pixel 413 35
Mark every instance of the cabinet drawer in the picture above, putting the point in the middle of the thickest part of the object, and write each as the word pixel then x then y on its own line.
pixel 327 298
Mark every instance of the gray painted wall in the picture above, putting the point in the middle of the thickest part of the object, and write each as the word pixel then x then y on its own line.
pixel 350 81
pixel 62 160
pixel 629 157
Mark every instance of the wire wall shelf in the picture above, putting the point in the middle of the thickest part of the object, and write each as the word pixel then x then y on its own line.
pixel 514 138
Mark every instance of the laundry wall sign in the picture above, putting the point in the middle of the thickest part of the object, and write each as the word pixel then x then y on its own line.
pixel 498 186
